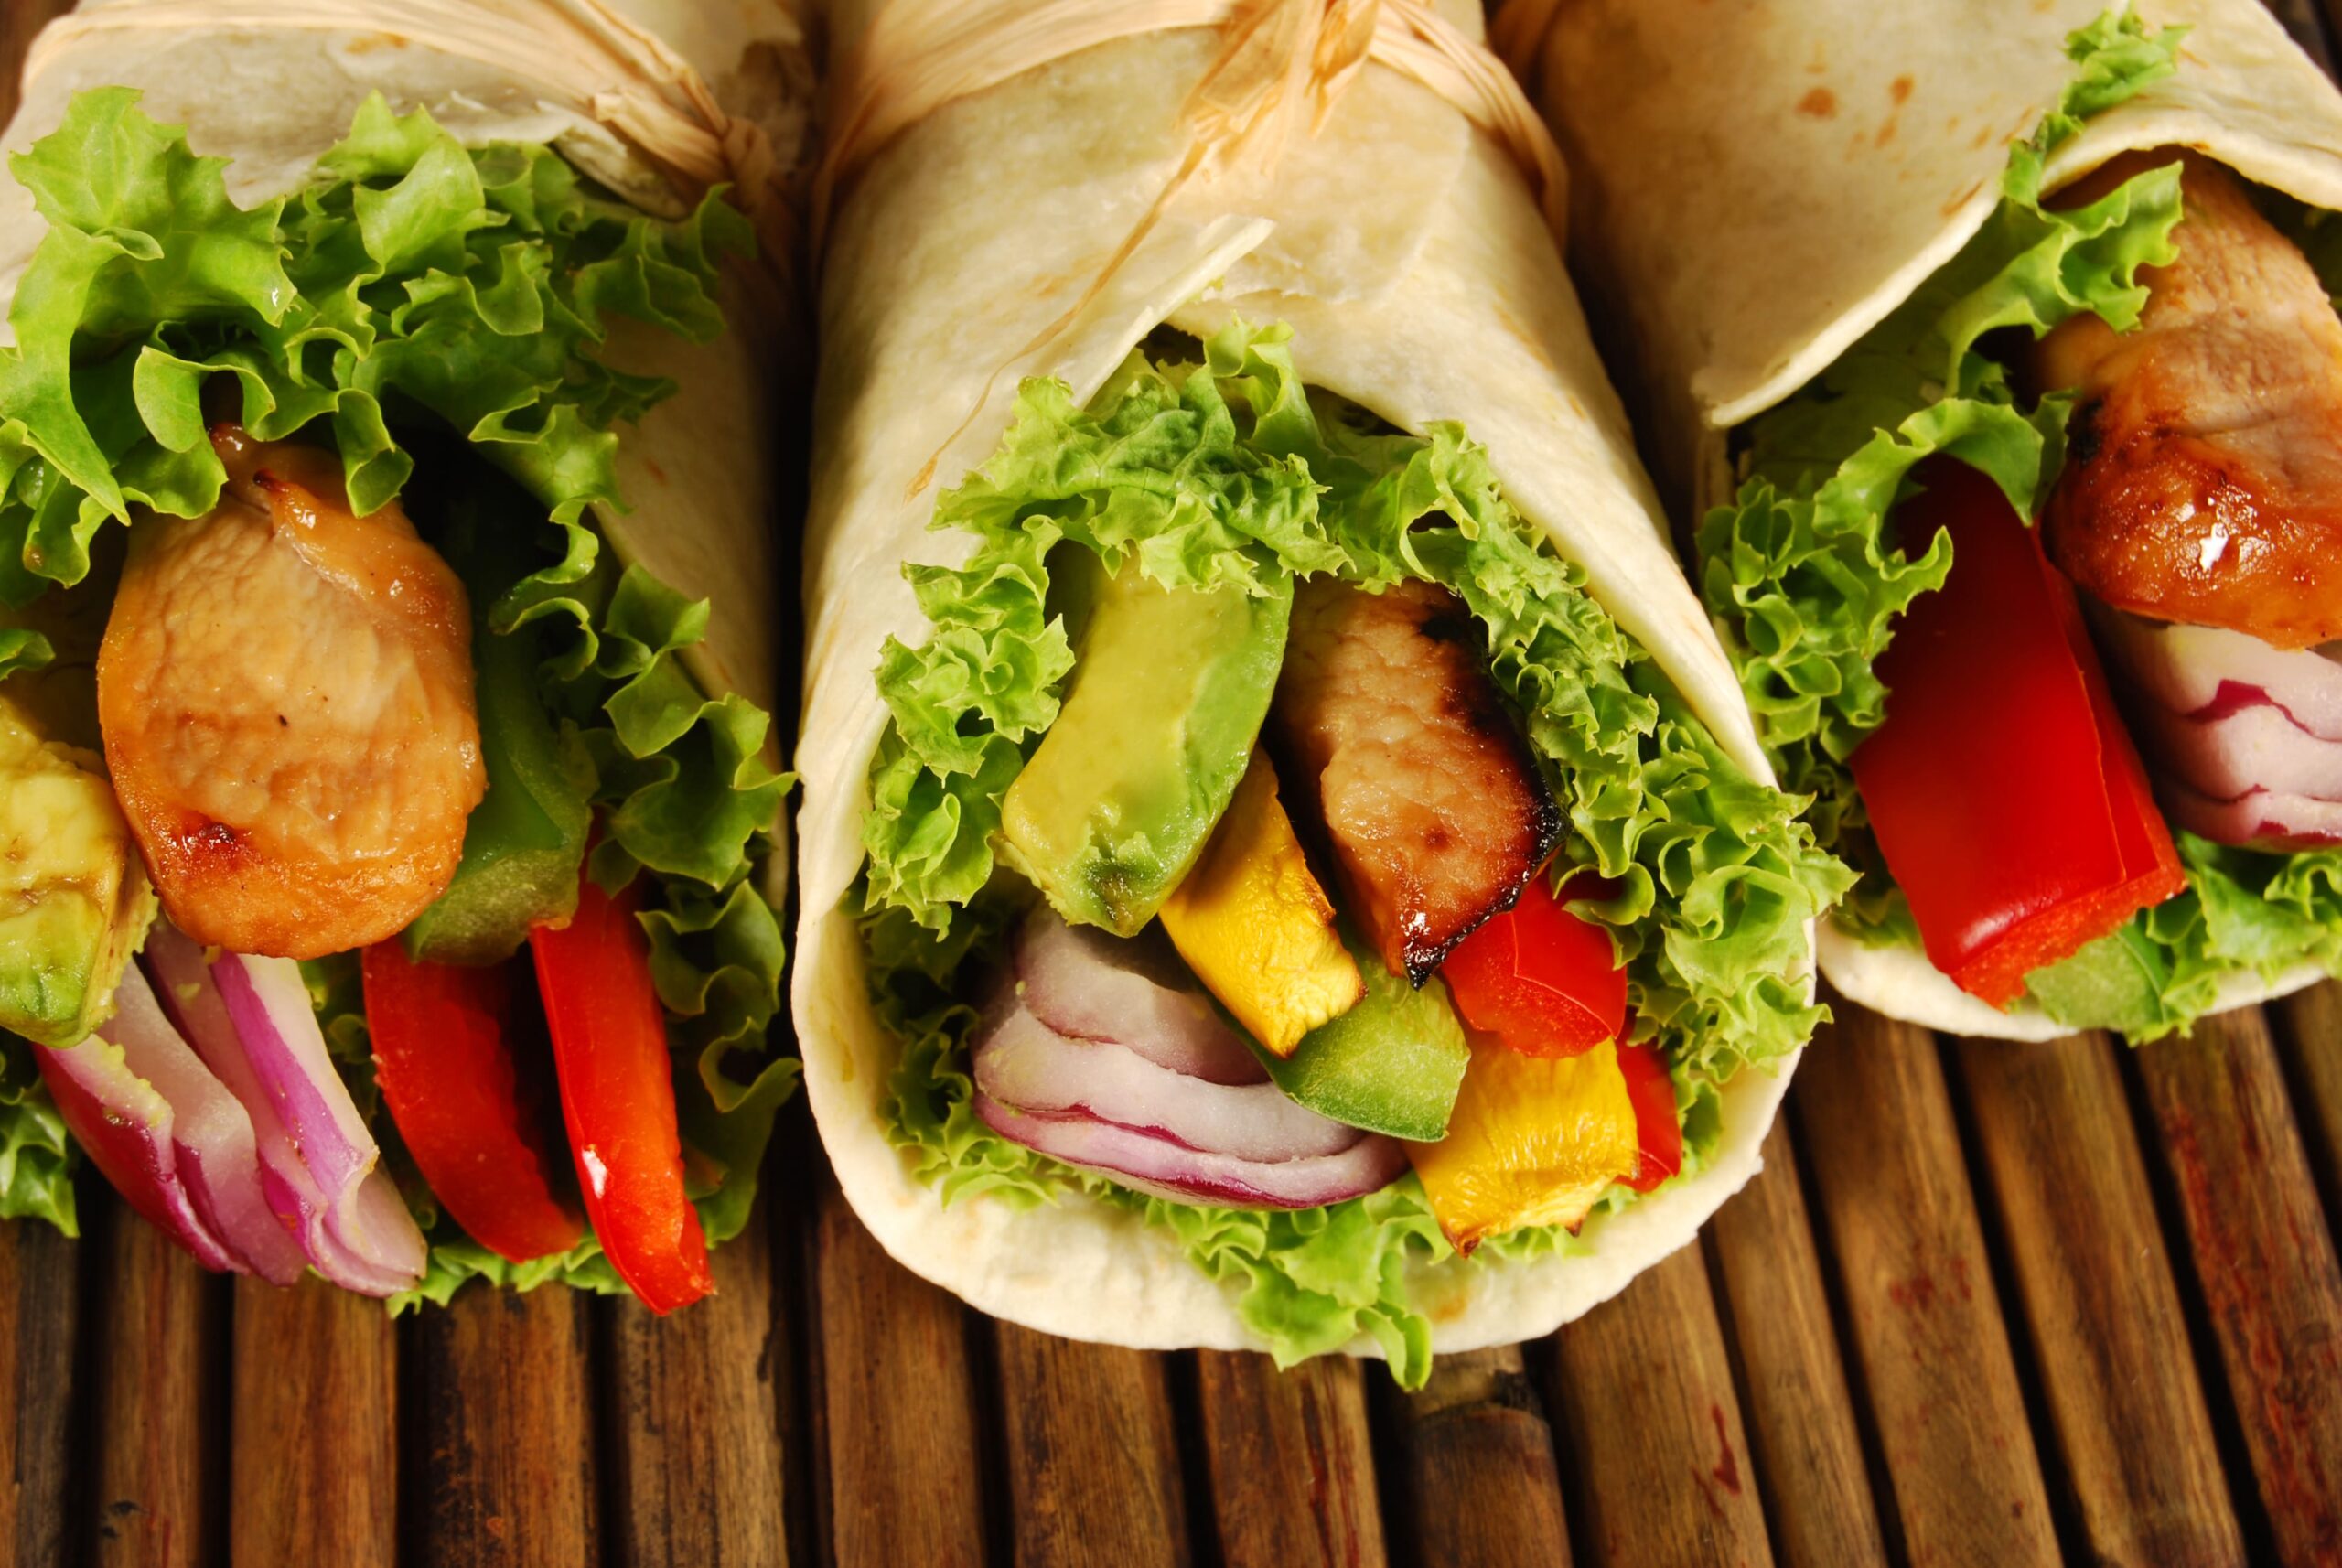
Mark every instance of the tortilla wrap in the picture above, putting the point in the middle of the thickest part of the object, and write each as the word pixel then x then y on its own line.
pixel 1756 186
pixel 272 98
pixel 1405 250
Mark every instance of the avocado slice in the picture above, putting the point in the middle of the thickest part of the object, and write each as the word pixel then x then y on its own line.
pixel 74 899
pixel 1169 689
pixel 1392 1064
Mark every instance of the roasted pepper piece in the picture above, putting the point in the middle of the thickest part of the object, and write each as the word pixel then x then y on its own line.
pixel 1542 980
pixel 1257 929
pixel 1532 1141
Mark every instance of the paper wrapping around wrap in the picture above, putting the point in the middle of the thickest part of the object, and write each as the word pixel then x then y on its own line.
pixel 1755 186
pixel 1408 257
pixel 698 472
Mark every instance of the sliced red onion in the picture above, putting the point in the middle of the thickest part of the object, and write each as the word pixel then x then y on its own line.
pixel 2260 819
pixel 249 1020
pixel 1023 1062
pixel 217 1157
pixel 1088 985
pixel 2204 672
pixel 1156 1165
pixel 127 1128
pixel 2256 747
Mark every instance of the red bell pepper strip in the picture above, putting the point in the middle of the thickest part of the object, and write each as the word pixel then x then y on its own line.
pixel 1539 979
pixel 1657 1127
pixel 610 1049
pixel 444 1061
pixel 2006 796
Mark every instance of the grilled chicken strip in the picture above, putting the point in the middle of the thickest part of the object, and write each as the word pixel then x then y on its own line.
pixel 1385 715
pixel 2203 479
pixel 285 693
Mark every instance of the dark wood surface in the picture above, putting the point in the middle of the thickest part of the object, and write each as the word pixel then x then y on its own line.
pixel 1987 1305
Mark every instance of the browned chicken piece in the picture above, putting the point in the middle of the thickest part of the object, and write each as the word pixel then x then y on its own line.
pixel 285 691
pixel 1386 717
pixel 2203 479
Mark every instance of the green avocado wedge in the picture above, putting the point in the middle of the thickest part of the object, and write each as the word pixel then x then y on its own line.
pixel 1392 1064
pixel 1169 689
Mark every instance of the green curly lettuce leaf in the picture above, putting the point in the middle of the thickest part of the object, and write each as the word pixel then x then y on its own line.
pixel 1233 473
pixel 417 285
pixel 1801 573
pixel 36 1154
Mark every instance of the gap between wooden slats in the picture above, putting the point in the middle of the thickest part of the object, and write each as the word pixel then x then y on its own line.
pixel 157 1404
pixel 2265 1264
pixel 1473 1477
pixel 1650 1428
pixel 2060 1160
pixel 1876 1126
pixel 1803 1437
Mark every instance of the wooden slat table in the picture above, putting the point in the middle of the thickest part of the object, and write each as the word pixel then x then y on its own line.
pixel 1987 1305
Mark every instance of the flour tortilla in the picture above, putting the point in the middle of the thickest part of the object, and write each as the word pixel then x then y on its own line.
pixel 1756 186
pixel 697 472
pixel 1406 252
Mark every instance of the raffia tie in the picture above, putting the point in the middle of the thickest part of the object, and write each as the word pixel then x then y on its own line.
pixel 581 53
pixel 1277 59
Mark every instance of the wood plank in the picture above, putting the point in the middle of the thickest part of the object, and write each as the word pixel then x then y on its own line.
pixel 1093 1459
pixel 693 1422
pixel 2309 1042
pixel 314 1422
pixel 2265 1264
pixel 1291 1460
pixel 1650 1423
pixel 1801 1430
pixel 20 20
pixel 508 1434
pixel 898 1402
pixel 39 1294
pixel 1480 1481
pixel 160 1403
pixel 2095 1284
pixel 1874 1121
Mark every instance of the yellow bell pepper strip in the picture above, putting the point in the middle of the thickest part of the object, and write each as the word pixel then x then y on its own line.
pixel 1533 1140
pixel 1256 928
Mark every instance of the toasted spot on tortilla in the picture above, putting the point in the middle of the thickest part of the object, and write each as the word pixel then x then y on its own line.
pixel 1820 103
pixel 1957 202
pixel 1900 90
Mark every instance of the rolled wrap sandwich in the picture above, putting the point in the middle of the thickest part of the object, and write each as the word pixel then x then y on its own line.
pixel 1945 272
pixel 390 805
pixel 1275 817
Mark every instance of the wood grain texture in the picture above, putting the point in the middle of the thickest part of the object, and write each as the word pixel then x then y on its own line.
pixel 2309 1041
pixel 1802 1431
pixel 157 1493
pixel 2264 1262
pixel 39 1331
pixel 508 1432
pixel 1291 1460
pixel 2094 1282
pixel 1093 1457
pixel 313 1427
pixel 20 20
pixel 1480 1481
pixel 899 1417
pixel 1874 1121
pixel 693 1426
pixel 1643 1387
